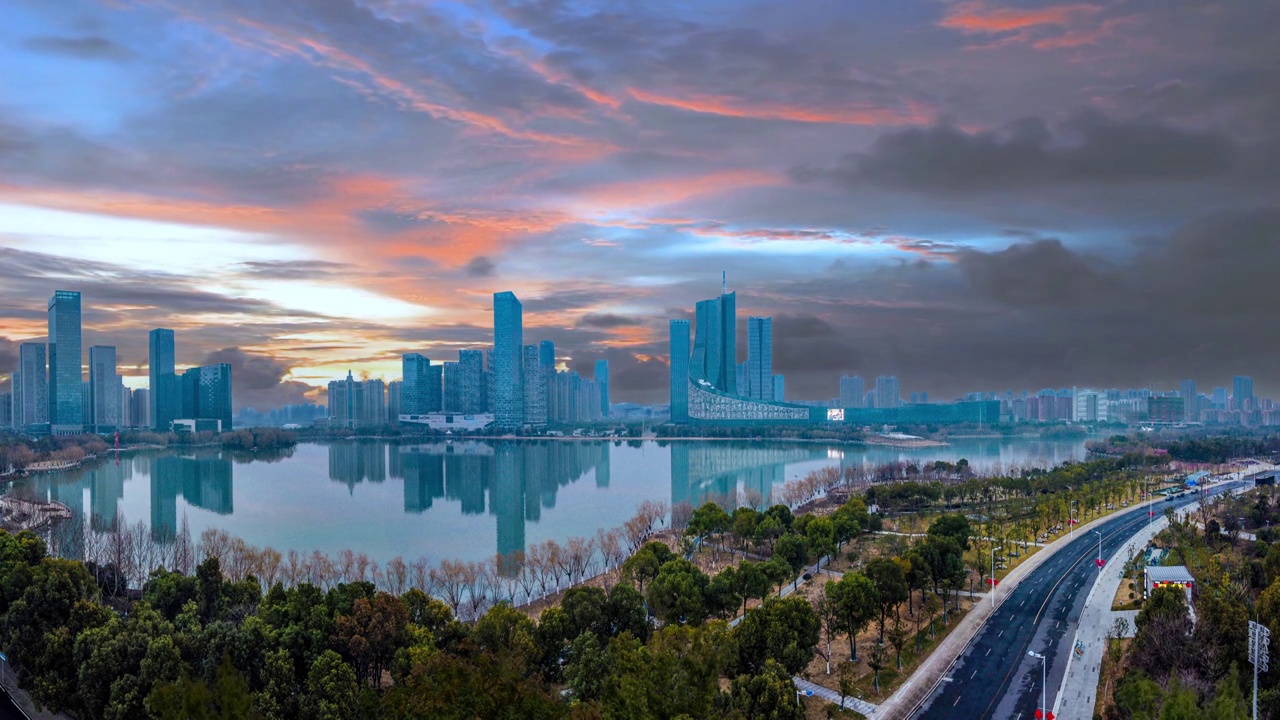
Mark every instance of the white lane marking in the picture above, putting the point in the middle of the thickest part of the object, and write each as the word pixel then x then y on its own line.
pixel 957 702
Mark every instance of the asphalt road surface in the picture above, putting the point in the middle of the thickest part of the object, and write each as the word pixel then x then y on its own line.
pixel 995 678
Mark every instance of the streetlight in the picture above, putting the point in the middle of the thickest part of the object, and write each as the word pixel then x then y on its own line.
pixel 1099 533
pixel 1043 661
pixel 993 576
pixel 1071 525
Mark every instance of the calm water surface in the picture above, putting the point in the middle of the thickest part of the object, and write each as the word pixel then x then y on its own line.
pixel 460 500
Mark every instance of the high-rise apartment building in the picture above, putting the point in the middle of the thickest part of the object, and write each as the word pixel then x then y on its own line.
pixel 508 359
pixel 888 393
pixel 6 409
pixel 779 388
pixel 164 403
pixel 140 407
pixel 602 379
pixel 394 405
pixel 535 388
pixel 679 366
pixel 759 359
pixel 452 398
pixel 66 365
pixel 31 387
pixel 1219 398
pixel 1190 400
pixel 421 390
pixel 852 392
pixel 104 389
pixel 715 342
pixel 547 355
pixel 1241 391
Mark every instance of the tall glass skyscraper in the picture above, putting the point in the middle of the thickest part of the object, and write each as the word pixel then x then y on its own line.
pixel 715 351
pixel 679 370
pixel 602 379
pixel 206 393
pixel 547 355
pixel 104 389
pixel 759 359
pixel 421 387
pixel 1241 391
pixel 535 388
pixel 507 402
pixel 471 391
pixel 66 365
pixel 163 398
pixel 31 387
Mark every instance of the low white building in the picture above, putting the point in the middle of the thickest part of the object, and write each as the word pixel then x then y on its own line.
pixel 450 421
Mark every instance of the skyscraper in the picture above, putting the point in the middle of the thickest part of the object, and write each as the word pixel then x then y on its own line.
pixel 206 394
pixel 31 387
pixel 104 389
pixel 452 398
pixel 535 388
pixel 66 369
pixel 1190 401
pixel 779 388
pixel 715 343
pixel 162 399
pixel 140 400
pixel 394 407
pixel 888 393
pixel 420 389
pixel 759 359
pixel 508 377
pixel 471 391
pixel 547 355
pixel 1241 391
pixel 851 392
pixel 602 379
pixel 679 364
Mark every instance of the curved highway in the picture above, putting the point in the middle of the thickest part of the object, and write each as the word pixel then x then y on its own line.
pixel 995 677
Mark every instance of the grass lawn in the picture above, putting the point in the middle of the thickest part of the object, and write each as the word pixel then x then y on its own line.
pixel 1122 600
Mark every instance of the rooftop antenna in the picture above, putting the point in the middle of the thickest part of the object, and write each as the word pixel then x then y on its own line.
pixel 724 282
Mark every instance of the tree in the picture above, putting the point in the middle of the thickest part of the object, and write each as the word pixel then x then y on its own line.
pixel 848 678
pixel 372 633
pixel 768 695
pixel 955 527
pixel 856 597
pixel 331 688
pixel 588 669
pixel 1179 703
pixel 678 593
pixel 793 550
pixel 898 638
pixel 643 566
pixel 784 630
pixel 829 617
pixel 820 536
pixel 891 587
pixel 878 660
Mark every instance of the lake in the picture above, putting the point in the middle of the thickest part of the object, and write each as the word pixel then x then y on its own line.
pixel 461 500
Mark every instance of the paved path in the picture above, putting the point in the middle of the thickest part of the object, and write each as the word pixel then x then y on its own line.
pixel 833 697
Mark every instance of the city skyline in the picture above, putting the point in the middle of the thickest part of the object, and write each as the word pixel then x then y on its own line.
pixel 963 194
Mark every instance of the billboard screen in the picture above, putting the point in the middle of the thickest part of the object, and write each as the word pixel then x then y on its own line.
pixel 835 415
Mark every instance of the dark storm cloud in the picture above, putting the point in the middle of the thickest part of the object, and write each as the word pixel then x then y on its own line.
pixel 83 47
pixel 1090 148
pixel 608 321
pixel 635 374
pixel 480 266
pixel 1040 273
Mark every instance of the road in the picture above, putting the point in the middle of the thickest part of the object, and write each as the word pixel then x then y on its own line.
pixel 995 678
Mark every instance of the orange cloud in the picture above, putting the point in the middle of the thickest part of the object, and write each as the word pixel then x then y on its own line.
pixel 655 192
pixel 912 114
pixel 976 16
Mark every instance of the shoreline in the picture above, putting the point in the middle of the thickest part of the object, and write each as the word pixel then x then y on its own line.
pixel 415 439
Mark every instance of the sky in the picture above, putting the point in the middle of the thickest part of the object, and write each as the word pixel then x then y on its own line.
pixel 968 194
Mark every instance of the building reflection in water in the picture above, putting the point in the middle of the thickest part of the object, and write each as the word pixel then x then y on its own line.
pixel 732 474
pixel 519 480
pixel 355 462
pixel 202 480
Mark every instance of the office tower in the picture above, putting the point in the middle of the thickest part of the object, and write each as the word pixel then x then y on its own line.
pixel 602 379
pixel 6 408
pixel 1241 391
pixel 124 398
pixel 394 406
pixel 471 375
pixel 420 391
pixel 163 397
pixel 779 388
pixel 759 359
pixel 104 389
pixel 1190 400
pixel 488 380
pixel 888 394
pixel 342 402
pixel 852 392
pixel 547 354
pixel 924 396
pixel 31 387
pixel 452 398
pixel 206 394
pixel 66 369
pixel 140 402
pixel 508 347
pixel 740 378
pixel 535 388
pixel 679 365
pixel 1219 398
pixel 914 398
pixel 715 350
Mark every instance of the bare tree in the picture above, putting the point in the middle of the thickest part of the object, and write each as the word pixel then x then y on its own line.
pixel 397 576
pixel 636 531
pixel 361 568
pixel 346 564
pixel 578 554
pixel 268 568
pixel 680 514
pixel 295 571
pixel 419 577
pixel 450 580
pixel 183 552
